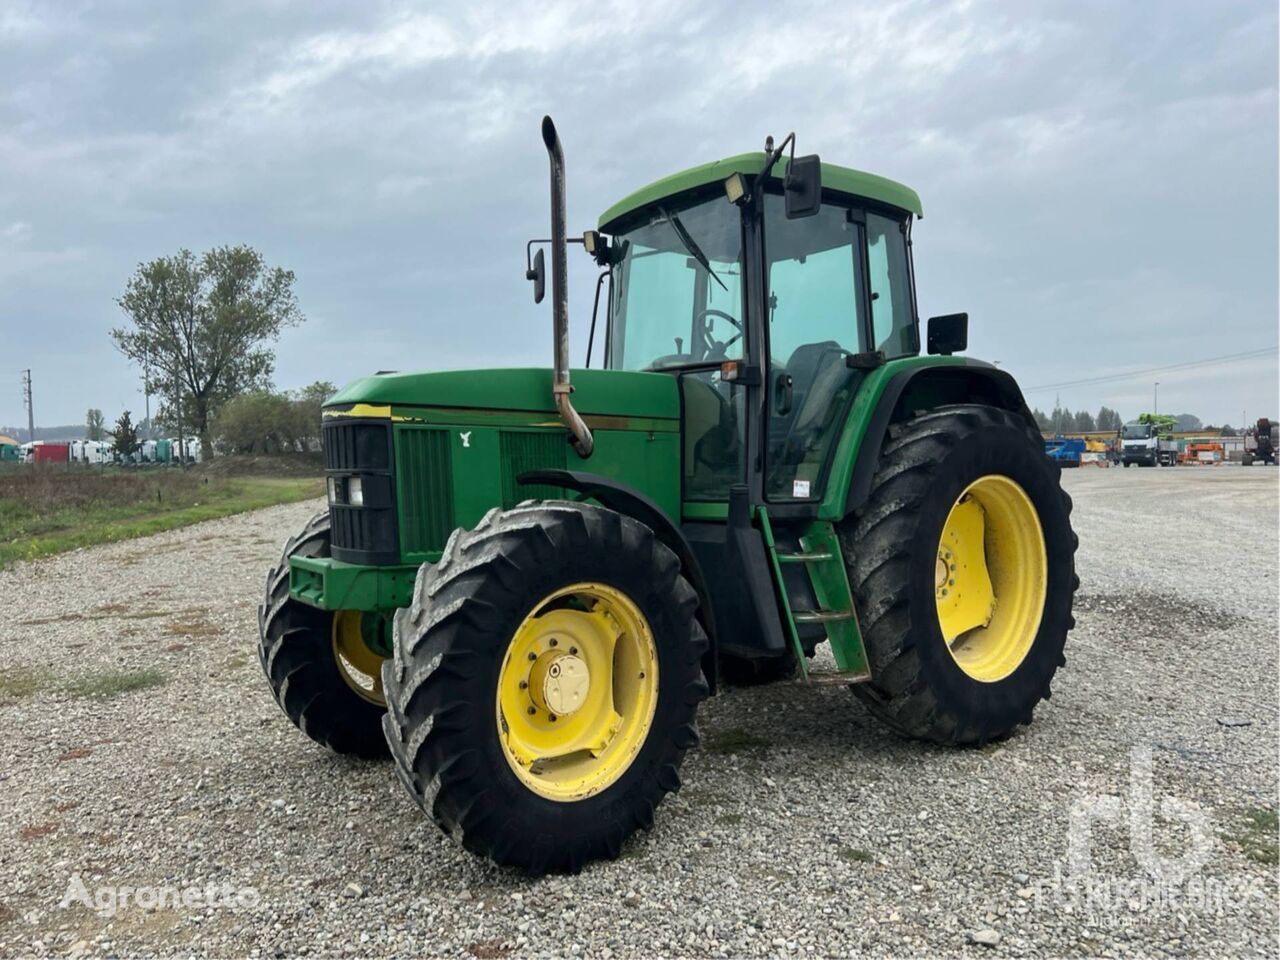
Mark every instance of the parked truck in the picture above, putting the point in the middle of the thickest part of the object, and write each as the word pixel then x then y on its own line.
pixel 1260 442
pixel 1148 441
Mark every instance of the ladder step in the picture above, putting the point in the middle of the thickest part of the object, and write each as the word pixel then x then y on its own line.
pixel 838 678
pixel 821 616
pixel 820 557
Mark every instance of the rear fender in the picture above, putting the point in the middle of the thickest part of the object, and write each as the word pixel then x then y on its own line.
pixel 917 389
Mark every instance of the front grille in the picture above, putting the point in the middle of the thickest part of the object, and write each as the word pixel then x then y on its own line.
pixel 355 445
pixel 364 534
pixel 522 451
pixel 426 481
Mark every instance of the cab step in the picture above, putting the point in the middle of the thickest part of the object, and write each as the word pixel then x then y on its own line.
pixel 803 557
pixel 837 678
pixel 824 562
pixel 821 616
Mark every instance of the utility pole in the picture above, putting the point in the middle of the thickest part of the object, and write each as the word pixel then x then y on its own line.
pixel 26 399
pixel 1155 398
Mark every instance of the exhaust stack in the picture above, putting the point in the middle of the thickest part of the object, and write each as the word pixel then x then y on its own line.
pixel 583 442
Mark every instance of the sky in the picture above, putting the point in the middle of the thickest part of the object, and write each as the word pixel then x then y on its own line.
pixel 1099 179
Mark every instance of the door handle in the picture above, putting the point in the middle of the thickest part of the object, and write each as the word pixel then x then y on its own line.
pixel 783 393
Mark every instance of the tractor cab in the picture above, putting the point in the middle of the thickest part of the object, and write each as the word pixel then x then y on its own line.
pixel 715 278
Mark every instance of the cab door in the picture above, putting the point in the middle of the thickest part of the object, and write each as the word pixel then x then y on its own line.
pixel 815 319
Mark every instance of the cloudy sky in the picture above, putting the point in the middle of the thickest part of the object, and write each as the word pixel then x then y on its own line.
pixel 1099 178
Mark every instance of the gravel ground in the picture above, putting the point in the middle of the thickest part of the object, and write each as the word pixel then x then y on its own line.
pixel 804 828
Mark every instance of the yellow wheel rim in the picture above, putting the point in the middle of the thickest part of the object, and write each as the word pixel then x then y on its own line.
pixel 990 578
pixel 577 691
pixel 358 665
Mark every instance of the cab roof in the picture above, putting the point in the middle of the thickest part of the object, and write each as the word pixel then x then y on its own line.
pixel 857 183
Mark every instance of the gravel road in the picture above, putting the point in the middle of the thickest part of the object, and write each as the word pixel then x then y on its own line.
pixel 804 827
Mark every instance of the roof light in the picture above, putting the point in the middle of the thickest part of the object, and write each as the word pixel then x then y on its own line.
pixel 735 188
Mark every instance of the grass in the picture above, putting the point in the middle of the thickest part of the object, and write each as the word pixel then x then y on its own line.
pixel 48 510
pixel 20 683
pixel 1256 835
pixel 113 683
pixel 856 855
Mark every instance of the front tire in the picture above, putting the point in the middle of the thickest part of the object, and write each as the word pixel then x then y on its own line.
pixel 544 686
pixel 963 574
pixel 299 647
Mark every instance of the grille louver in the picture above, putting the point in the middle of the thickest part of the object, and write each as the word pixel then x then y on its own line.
pixel 426 481
pixel 522 451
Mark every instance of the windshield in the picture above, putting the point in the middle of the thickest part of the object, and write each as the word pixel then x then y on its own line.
pixel 677 292
pixel 1137 431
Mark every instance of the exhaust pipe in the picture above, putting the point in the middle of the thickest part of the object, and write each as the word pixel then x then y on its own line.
pixel 583 442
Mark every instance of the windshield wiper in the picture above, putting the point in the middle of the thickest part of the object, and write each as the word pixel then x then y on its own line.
pixel 691 245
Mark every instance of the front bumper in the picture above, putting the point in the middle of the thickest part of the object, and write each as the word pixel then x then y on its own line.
pixel 334 585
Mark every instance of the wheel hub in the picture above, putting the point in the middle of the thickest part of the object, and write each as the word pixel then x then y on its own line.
pixel 559 683
pixel 990 578
pixel 577 691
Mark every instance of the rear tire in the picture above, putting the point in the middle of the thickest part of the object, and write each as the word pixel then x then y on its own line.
pixel 296 650
pixel 450 724
pixel 917 684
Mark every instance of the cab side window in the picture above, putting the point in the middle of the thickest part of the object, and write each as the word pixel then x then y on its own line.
pixel 892 315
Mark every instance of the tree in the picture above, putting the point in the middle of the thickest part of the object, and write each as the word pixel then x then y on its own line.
pixel 1187 422
pixel 258 422
pixel 125 436
pixel 1108 419
pixel 1062 421
pixel 200 328
pixel 268 422
pixel 93 424
pixel 1084 422
pixel 1228 431
pixel 1042 420
pixel 307 403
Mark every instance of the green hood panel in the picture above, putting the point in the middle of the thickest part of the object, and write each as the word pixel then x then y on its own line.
pixel 596 392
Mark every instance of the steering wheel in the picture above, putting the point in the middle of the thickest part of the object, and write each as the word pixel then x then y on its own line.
pixel 715 350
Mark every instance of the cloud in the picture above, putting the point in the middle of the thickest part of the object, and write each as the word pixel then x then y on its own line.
pixel 1099 181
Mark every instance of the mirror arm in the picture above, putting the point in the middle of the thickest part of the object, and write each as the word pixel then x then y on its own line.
pixel 595 311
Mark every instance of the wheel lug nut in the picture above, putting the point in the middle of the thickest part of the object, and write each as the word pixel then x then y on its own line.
pixel 553 718
pixel 532 711
pixel 573 650
pixel 951 583
pixel 524 685
pixel 554 641
pixel 533 656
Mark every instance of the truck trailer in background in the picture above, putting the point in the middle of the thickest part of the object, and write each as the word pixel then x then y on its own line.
pixel 51 452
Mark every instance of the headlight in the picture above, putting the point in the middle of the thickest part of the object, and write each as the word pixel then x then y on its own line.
pixel 355 492
pixel 333 490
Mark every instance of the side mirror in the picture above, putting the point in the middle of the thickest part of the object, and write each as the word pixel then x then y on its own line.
pixel 803 186
pixel 948 334
pixel 538 274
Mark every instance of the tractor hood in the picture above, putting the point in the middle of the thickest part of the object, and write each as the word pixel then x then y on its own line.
pixel 611 393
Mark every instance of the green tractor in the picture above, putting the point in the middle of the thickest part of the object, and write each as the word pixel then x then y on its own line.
pixel 527 580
